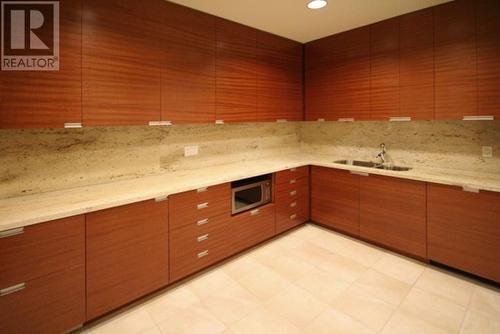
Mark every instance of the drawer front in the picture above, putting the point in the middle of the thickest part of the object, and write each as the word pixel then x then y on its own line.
pixel 290 192
pixel 293 184
pixel 194 248
pixel 54 303
pixel 286 176
pixel 41 249
pixel 254 226
pixel 193 206
pixel 291 213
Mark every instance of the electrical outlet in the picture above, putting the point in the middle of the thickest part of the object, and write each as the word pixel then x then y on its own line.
pixel 190 151
pixel 487 152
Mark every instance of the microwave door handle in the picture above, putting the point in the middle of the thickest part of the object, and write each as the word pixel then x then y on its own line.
pixel 267 192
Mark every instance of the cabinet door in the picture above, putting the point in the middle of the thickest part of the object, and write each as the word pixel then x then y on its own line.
pixel 464 230
pixel 335 199
pixel 236 72
pixel 188 65
pixel 384 78
pixel 393 213
pixel 253 227
pixel 416 65
pixel 49 99
pixel 121 62
pixel 488 58
pixel 127 254
pixel 279 78
pixel 455 60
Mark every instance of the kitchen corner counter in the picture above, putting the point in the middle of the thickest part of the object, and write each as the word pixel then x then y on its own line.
pixel 37 208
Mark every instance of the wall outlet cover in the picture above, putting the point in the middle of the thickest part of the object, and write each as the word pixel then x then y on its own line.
pixel 190 151
pixel 487 151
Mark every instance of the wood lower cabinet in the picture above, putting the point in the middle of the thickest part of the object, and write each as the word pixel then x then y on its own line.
pixel 253 227
pixel 393 213
pixel 335 199
pixel 291 198
pixel 464 230
pixel 127 254
pixel 42 277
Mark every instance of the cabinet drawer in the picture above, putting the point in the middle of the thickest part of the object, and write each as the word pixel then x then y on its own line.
pixel 41 249
pixel 292 185
pixel 53 303
pixel 193 248
pixel 286 176
pixel 254 226
pixel 192 206
pixel 292 214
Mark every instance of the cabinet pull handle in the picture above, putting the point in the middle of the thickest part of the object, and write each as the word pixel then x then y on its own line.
pixel 12 289
pixel 293 192
pixel 202 190
pixel 202 237
pixel 478 118
pixel 292 181
pixel 346 119
pixel 470 189
pixel 293 204
pixel 161 198
pixel 359 173
pixel 202 205
pixel 293 169
pixel 293 217
pixel 202 254
pixel 72 125
pixel 254 212
pixel 12 232
pixel 202 222
pixel 400 119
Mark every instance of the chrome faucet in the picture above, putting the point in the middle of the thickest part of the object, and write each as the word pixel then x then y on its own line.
pixel 382 153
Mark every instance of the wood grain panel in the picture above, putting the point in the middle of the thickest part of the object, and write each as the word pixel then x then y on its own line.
pixel 455 60
pixel 184 206
pixel 292 207
pixel 384 62
pixel 488 58
pixel 48 99
pixel 416 71
pixel 335 199
pixel 188 65
pixel 50 304
pixel 236 72
pixel 121 62
pixel 127 254
pixel 393 213
pixel 463 230
pixel 41 250
pixel 253 229
pixel 291 174
pixel 279 78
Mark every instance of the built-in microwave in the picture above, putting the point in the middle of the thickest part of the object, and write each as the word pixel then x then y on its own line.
pixel 251 193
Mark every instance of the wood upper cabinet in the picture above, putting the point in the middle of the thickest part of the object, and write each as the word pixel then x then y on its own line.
pixel 48 99
pixel 236 72
pixel 464 230
pixel 416 65
pixel 338 76
pixel 188 65
pixel 455 60
pixel 384 61
pixel 488 58
pixel 127 254
pixel 335 199
pixel 279 78
pixel 121 62
pixel 393 213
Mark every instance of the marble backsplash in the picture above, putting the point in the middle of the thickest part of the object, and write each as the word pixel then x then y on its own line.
pixel 33 161
pixel 433 144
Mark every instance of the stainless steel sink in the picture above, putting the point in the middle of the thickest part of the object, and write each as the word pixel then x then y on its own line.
pixel 370 164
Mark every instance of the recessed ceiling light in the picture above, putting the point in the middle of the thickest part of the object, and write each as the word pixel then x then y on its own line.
pixel 316 4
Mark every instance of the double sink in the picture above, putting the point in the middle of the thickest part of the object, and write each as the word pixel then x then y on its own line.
pixel 370 164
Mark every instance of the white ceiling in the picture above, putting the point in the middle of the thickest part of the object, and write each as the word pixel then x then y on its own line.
pixel 292 19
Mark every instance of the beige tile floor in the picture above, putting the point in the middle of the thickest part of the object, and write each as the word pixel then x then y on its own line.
pixel 313 280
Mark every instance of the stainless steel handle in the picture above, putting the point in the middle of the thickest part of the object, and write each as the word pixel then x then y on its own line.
pixel 292 181
pixel 294 216
pixel 201 190
pixel 293 204
pixel 202 222
pixel 400 119
pixel 359 173
pixel 72 125
pixel 470 189
pixel 12 289
pixel 12 232
pixel 202 237
pixel 478 118
pixel 254 212
pixel 293 169
pixel 202 205
pixel 346 119
pixel 202 254
pixel 293 192
pixel 161 198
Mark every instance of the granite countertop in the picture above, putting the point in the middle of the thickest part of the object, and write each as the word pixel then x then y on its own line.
pixel 32 209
